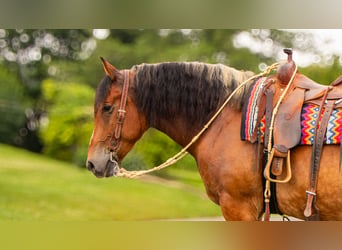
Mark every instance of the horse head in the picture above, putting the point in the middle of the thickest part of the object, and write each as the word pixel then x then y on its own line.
pixel 117 122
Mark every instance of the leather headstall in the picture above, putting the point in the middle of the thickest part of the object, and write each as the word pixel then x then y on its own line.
pixel 114 142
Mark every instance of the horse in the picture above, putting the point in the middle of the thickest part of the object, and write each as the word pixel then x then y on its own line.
pixel 178 98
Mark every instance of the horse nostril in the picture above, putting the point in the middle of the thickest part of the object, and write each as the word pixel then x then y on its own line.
pixel 90 166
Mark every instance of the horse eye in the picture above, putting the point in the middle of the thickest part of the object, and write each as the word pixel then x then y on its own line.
pixel 107 108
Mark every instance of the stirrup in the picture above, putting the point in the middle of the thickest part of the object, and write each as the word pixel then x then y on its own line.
pixel 288 169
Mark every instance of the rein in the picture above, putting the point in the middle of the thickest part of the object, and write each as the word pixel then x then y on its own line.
pixel 183 152
pixel 270 152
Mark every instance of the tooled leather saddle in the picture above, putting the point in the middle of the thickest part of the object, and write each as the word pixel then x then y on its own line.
pixel 286 131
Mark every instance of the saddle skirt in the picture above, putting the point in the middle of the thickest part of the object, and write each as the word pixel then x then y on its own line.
pixel 253 122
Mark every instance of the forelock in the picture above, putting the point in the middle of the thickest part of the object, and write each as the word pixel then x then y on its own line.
pixel 102 92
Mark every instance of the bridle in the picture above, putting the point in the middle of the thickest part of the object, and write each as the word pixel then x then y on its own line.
pixel 114 142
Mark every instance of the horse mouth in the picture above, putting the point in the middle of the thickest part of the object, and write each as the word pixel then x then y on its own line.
pixel 112 169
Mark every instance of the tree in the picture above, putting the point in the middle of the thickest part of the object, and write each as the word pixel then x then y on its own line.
pixel 27 56
pixel 14 108
pixel 68 125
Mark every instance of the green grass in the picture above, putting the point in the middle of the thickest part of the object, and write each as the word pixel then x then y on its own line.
pixel 34 187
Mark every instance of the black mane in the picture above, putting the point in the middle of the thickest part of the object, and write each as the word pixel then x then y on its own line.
pixel 192 91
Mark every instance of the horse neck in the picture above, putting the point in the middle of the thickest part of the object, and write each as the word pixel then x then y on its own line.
pixel 176 129
pixel 182 133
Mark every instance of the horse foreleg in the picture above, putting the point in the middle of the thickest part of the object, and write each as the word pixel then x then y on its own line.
pixel 240 209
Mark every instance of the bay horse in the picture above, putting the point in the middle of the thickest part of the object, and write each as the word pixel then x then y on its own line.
pixel 178 98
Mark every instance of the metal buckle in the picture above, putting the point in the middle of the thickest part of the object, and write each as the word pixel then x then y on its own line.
pixel 121 111
pixel 338 101
pixel 312 193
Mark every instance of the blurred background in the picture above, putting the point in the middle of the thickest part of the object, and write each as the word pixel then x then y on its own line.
pixel 48 80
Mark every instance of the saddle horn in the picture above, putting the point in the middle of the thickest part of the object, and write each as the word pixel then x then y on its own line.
pixel 285 70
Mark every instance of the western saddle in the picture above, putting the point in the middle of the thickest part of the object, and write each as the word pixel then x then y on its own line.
pixel 284 132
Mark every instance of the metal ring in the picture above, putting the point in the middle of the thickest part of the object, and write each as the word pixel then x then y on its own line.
pixel 111 157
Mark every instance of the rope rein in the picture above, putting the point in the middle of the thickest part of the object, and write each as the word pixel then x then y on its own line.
pixel 172 160
pixel 275 110
pixel 267 191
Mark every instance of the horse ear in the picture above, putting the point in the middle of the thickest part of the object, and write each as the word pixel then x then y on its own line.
pixel 110 70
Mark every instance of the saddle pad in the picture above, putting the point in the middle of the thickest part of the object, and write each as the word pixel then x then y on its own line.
pixel 308 123
pixel 250 110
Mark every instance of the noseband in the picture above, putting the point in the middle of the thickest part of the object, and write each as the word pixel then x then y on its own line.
pixel 114 142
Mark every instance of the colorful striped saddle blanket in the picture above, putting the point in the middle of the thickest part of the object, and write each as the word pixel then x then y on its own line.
pixel 309 115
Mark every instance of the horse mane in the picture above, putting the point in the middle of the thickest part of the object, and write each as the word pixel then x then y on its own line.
pixel 191 90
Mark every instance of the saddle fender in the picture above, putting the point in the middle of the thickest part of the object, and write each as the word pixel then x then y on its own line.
pixel 287 128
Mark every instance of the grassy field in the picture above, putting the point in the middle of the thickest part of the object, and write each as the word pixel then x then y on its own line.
pixel 34 187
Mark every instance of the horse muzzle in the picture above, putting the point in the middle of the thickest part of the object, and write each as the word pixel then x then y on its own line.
pixel 104 167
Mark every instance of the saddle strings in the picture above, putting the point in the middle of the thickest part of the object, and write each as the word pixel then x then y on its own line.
pixel 183 152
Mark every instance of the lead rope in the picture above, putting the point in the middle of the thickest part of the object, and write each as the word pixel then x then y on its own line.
pixel 172 160
pixel 267 193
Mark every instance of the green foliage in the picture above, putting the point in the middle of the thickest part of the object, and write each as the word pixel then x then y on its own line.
pixel 68 124
pixel 29 54
pixel 324 75
pixel 126 48
pixel 153 149
pixel 12 108
pixel 156 147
